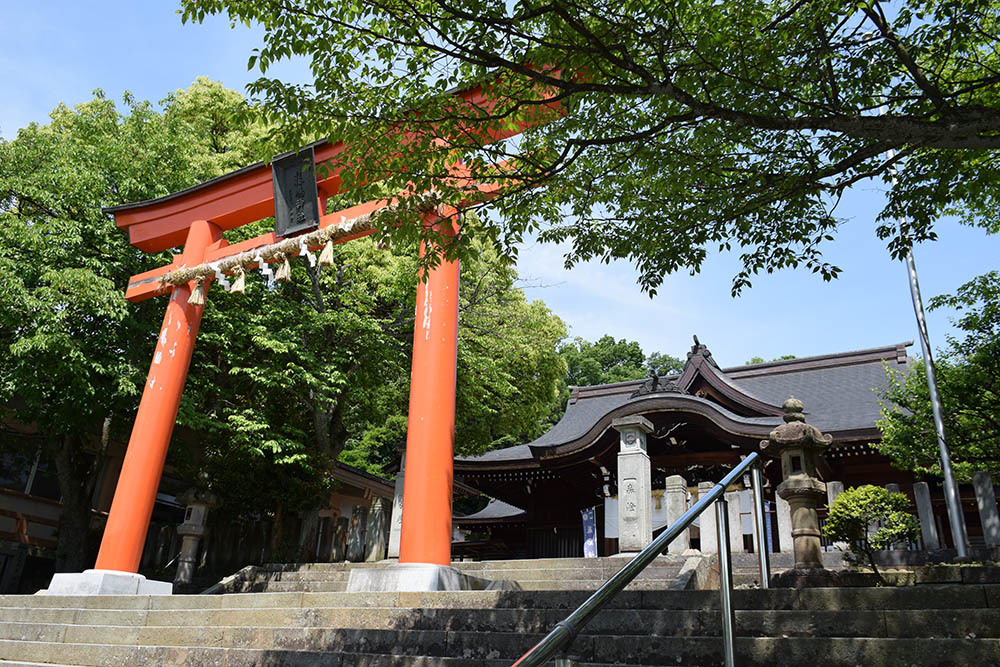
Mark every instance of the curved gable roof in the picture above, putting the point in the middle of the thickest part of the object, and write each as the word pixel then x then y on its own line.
pixel 840 393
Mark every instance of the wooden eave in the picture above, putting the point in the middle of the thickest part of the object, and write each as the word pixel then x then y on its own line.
pixel 589 445
pixel 698 367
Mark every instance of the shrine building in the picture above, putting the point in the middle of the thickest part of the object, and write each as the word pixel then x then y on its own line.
pixel 698 424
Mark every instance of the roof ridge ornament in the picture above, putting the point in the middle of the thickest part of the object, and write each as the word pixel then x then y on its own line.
pixel 655 384
pixel 700 349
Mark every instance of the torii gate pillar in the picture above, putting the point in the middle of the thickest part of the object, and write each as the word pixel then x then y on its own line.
pixel 430 436
pixel 132 507
pixel 128 521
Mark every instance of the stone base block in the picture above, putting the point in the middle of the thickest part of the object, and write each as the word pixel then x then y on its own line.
pixel 106 582
pixel 807 578
pixel 417 577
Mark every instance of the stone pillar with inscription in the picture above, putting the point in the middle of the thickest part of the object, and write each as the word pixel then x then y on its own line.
pixel 784 514
pixel 635 520
pixel 356 534
pixel 342 527
pixel 925 510
pixel 735 509
pixel 377 532
pixel 986 501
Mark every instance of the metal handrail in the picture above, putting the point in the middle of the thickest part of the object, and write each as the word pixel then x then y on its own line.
pixel 566 630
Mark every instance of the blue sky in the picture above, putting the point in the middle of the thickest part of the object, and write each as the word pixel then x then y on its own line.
pixel 52 52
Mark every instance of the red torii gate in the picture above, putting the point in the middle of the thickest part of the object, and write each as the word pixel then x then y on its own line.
pixel 196 218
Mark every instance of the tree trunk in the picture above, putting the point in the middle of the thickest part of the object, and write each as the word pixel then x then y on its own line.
pixel 72 550
pixel 277 528
pixel 306 551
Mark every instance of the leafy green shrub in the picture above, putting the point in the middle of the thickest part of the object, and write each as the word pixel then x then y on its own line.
pixel 857 508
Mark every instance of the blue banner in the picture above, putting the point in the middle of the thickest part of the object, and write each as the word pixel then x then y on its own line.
pixel 767 526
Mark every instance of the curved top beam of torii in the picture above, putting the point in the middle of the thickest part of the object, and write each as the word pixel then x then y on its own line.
pixel 246 195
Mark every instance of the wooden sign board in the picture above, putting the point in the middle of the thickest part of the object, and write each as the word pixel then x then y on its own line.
pixel 296 198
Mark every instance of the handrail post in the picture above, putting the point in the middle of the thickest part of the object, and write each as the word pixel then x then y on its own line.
pixel 566 660
pixel 725 580
pixel 759 525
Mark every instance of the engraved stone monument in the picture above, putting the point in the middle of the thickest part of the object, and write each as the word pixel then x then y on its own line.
pixel 635 521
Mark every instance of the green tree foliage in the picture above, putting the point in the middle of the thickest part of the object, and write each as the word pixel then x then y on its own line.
pixel 859 509
pixel 318 369
pixel 73 352
pixel 285 382
pixel 511 375
pixel 226 133
pixel 607 360
pixel 762 360
pixel 681 129
pixel 968 375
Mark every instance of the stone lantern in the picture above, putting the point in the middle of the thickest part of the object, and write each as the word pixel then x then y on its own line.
pixel 198 501
pixel 798 444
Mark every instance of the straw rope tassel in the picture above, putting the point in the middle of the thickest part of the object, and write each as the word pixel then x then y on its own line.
pixel 239 282
pixel 326 257
pixel 284 272
pixel 197 297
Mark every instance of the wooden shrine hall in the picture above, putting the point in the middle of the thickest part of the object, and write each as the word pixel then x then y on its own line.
pixel 701 421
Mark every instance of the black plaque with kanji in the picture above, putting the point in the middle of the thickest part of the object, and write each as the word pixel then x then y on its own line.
pixel 296 200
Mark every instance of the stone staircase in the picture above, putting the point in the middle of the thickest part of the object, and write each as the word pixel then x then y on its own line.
pixel 923 625
pixel 302 618
pixel 545 574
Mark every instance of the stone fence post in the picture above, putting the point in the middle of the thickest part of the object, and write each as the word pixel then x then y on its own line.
pixel 986 500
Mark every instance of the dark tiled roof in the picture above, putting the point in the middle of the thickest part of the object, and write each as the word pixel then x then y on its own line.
pixel 840 393
pixel 835 399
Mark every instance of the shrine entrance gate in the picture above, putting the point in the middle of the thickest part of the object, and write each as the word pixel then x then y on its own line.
pixel 195 219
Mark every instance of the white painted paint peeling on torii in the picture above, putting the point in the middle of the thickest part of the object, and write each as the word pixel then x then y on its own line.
pixel 428 308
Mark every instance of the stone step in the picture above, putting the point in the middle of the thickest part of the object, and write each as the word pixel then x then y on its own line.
pixel 305 575
pixel 298 586
pixel 514 574
pixel 312 629
pixel 569 574
pixel 476 649
pixel 915 597
pixel 799 652
pixel 611 563
pixel 121 656
pixel 525 584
